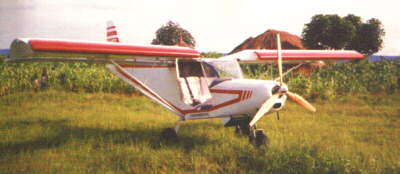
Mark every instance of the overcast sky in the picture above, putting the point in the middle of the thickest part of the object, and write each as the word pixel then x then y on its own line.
pixel 217 25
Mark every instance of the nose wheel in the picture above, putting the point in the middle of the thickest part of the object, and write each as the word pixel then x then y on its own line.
pixel 258 138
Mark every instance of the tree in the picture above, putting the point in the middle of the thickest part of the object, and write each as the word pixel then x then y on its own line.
pixel 369 37
pixel 327 32
pixel 173 34
pixel 353 19
pixel 334 32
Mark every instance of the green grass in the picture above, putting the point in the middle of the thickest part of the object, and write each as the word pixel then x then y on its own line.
pixel 65 132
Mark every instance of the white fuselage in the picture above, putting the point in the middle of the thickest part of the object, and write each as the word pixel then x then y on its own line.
pixel 229 96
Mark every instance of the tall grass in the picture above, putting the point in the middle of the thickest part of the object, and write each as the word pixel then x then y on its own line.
pixel 351 78
pixel 76 77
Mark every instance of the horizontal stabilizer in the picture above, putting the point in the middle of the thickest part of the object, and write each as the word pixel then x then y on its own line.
pixel 293 56
pixel 68 50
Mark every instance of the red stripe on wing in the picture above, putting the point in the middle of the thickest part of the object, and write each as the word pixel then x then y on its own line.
pixel 309 55
pixel 111 48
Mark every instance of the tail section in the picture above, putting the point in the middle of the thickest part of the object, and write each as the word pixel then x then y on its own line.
pixel 112 35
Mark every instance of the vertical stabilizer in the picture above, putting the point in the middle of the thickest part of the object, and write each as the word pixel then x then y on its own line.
pixel 112 35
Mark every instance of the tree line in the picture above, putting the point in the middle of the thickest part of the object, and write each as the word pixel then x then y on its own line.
pixel 349 32
pixel 322 32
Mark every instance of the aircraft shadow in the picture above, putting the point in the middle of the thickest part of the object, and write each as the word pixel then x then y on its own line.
pixel 61 132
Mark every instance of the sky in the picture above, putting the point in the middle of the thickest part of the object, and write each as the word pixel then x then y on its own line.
pixel 217 25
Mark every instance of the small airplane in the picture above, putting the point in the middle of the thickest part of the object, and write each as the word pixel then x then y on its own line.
pixel 185 84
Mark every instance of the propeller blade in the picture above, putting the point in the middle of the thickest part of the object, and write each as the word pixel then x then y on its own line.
pixel 301 101
pixel 266 107
pixel 278 43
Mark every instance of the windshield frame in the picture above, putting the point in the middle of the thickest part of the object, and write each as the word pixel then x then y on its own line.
pixel 230 67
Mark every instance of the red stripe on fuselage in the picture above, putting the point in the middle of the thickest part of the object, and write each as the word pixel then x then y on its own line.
pixel 227 103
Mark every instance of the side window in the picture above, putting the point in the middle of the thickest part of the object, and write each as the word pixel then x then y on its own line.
pixel 190 68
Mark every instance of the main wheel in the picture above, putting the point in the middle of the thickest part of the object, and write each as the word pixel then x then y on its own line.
pixel 245 129
pixel 242 129
pixel 169 134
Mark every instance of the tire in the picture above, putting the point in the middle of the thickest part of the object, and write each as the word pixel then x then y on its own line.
pixel 261 139
pixel 245 129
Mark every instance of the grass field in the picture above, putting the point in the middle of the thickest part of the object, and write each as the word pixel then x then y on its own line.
pixel 66 132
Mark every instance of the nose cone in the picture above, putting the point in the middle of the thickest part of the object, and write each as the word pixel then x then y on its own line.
pixel 277 88
pixel 283 88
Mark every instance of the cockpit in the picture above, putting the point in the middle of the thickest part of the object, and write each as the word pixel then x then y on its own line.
pixel 197 76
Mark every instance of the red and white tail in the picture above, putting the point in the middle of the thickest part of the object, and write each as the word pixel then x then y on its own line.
pixel 112 35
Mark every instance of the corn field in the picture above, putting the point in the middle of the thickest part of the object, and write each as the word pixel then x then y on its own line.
pixel 76 77
pixel 351 78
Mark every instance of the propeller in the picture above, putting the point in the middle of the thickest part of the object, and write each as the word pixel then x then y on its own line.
pixel 278 43
pixel 301 101
pixel 269 103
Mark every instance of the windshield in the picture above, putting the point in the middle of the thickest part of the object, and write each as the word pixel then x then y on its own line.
pixel 223 68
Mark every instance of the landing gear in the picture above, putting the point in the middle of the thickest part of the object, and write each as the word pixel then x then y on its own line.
pixel 241 125
pixel 243 129
pixel 171 134
pixel 258 138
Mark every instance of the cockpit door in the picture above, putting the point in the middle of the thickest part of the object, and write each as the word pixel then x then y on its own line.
pixel 192 82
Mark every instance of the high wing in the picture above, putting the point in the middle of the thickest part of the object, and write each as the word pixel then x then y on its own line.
pixel 293 56
pixel 97 52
